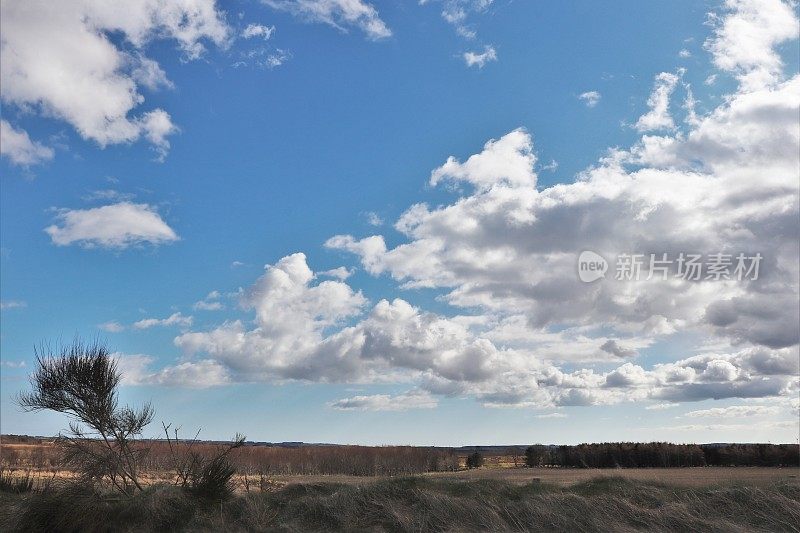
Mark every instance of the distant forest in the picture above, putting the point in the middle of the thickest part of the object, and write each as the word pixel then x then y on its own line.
pixel 299 458
pixel 662 455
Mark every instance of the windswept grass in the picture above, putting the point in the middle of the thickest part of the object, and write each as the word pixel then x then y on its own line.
pixel 15 484
pixel 419 504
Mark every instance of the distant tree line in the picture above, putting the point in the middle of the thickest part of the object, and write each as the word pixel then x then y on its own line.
pixel 326 460
pixel 662 455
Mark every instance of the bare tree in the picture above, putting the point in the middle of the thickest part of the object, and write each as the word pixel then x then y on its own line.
pixel 81 381
pixel 516 454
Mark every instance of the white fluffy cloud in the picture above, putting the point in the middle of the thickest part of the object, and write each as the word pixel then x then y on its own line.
pixel 658 118
pixel 509 247
pixel 293 313
pixel 137 369
pixel 504 253
pixel 508 160
pixel 337 13
pixel 57 59
pixel 294 337
pixel 727 183
pixel 18 147
pixel 479 59
pixel 117 225
pixel 745 38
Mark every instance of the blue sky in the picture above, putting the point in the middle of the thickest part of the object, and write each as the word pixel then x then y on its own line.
pixel 203 151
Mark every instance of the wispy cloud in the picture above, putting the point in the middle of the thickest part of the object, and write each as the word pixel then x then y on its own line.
pixel 210 303
pixel 175 319
pixel 258 30
pixel 480 59
pixel 384 402
pixel 112 326
pixel 590 98
pixel 733 411
pixel 341 14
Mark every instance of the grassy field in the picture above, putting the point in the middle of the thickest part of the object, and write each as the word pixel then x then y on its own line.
pixel 679 477
pixel 684 477
pixel 422 503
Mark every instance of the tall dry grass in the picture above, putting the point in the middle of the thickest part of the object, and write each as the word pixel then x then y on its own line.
pixel 419 504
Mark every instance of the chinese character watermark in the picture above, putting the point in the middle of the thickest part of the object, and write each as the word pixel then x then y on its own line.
pixel 684 266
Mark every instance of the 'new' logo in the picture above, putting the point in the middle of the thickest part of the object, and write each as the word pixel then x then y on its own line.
pixel 591 266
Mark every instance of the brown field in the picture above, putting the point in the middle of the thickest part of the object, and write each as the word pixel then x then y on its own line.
pixel 501 469
pixel 262 468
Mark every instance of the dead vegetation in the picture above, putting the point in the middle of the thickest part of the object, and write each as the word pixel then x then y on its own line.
pixel 417 504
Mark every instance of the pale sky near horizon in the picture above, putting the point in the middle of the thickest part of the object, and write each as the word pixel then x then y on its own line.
pixel 360 221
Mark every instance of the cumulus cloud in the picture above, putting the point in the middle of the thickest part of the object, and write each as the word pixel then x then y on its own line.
pixel 117 225
pixel 590 98
pixel 18 147
pixel 504 253
pixel 98 79
pixel 415 399
pixel 479 59
pixel 175 319
pixel 745 39
pixel 292 314
pixel 340 14
pixel 156 126
pixel 136 369
pixel 508 160
pixel 509 247
pixel 294 337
